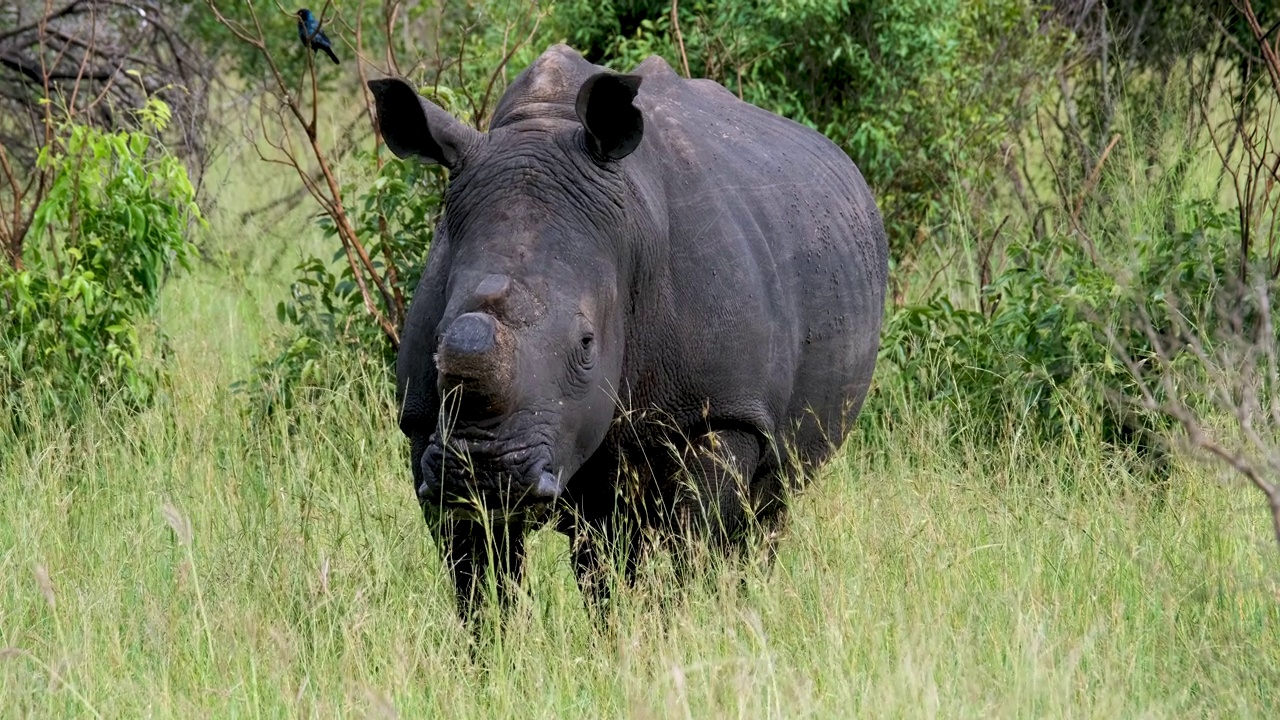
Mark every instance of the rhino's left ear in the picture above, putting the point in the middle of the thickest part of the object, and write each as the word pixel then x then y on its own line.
pixel 412 125
pixel 614 126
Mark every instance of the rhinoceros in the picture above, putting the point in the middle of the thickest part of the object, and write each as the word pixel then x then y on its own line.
pixel 650 310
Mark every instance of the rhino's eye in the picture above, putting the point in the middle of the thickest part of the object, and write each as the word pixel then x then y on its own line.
pixel 585 358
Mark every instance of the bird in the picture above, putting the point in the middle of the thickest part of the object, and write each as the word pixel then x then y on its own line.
pixel 312 36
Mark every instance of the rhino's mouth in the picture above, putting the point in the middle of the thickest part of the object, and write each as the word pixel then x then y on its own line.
pixel 474 474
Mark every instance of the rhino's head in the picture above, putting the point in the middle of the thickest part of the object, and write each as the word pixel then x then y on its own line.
pixel 511 356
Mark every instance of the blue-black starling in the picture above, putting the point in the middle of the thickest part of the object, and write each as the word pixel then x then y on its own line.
pixel 312 36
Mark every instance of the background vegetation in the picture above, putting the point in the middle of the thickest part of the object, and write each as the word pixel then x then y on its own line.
pixel 204 504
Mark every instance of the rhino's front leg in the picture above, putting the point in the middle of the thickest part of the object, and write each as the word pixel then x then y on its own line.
pixel 598 546
pixel 714 499
pixel 603 527
pixel 471 548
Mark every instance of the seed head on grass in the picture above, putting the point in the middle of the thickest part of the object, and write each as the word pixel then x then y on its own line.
pixel 45 583
pixel 178 522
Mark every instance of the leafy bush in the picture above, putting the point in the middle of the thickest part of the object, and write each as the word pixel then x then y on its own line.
pixel 1040 361
pixel 114 221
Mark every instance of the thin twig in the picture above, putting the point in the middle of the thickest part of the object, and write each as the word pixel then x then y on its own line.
pixel 1092 180
pixel 675 26
pixel 331 201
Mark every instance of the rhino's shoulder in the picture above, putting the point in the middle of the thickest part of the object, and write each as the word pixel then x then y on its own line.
pixel 694 117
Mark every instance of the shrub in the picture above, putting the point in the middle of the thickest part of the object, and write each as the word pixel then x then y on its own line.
pixel 1039 362
pixel 77 311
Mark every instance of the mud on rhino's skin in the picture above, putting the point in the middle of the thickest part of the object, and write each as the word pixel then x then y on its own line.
pixel 632 270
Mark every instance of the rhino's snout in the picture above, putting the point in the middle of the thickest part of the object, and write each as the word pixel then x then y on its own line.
pixel 452 473
pixel 476 361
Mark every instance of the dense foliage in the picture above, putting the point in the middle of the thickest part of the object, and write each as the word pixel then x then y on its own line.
pixel 1042 357
pixel 78 312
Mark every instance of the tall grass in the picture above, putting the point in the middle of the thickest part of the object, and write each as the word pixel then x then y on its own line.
pixel 192 562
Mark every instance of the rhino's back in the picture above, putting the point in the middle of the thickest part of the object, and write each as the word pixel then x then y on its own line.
pixel 778 257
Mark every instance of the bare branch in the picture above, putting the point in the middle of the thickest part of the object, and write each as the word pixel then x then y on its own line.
pixel 1228 372
pixel 675 27
pixel 328 193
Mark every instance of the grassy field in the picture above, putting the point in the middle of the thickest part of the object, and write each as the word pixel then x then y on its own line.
pixel 192 562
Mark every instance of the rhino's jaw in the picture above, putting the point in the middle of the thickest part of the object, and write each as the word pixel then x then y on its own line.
pixel 466 475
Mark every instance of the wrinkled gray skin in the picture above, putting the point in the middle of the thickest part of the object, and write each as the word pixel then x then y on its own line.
pixel 617 275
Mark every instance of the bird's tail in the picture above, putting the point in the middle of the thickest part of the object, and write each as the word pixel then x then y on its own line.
pixel 329 51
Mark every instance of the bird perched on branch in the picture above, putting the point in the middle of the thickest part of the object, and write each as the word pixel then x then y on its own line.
pixel 312 36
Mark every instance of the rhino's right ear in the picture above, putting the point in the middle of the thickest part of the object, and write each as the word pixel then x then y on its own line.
pixel 613 124
pixel 412 125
